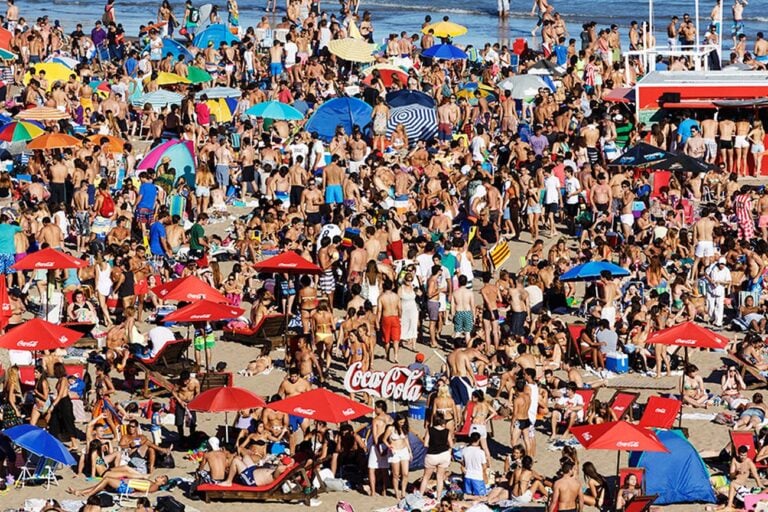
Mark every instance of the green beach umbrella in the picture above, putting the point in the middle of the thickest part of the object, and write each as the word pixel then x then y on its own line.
pixel 20 131
pixel 197 75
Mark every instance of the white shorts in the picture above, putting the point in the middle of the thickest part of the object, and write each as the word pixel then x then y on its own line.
pixel 740 142
pixel 376 460
pixel 526 497
pixel 628 219
pixel 705 249
pixel 609 313
pixel 401 455
pixel 480 429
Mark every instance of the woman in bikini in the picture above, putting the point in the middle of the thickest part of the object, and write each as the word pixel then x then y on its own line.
pixel 307 302
pixel 445 405
pixel 694 393
pixel 481 413
pixel 324 328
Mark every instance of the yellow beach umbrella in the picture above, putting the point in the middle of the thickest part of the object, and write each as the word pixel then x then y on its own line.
pixel 220 110
pixel 354 32
pixel 353 50
pixel 54 72
pixel 445 29
pixel 166 78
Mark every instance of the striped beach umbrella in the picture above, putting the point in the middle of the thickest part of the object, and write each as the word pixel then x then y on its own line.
pixel 158 99
pixel 42 114
pixel 353 50
pixel 219 92
pixel 420 122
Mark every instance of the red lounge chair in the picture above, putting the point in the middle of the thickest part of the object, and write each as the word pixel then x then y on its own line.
pixel 638 472
pixel 269 330
pixel 575 331
pixel 273 491
pixel 745 367
pixel 587 395
pixel 747 439
pixel 660 412
pixel 621 403
pixel 464 431
pixel 640 503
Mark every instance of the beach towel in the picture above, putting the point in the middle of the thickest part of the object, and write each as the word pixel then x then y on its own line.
pixel 499 254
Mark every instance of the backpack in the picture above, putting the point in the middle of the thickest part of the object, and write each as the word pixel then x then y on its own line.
pixel 107 206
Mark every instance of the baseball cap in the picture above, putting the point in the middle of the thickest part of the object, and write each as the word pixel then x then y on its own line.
pixel 419 357
pixel 213 442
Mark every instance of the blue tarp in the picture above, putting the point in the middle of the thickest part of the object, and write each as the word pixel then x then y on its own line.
pixel 215 34
pixel 346 112
pixel 679 476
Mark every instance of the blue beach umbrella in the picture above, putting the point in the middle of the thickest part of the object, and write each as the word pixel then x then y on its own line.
pixel 346 112
pixel 420 122
pixel 406 97
pixel 275 110
pixel 213 93
pixel 215 34
pixel 591 270
pixel 41 443
pixel 445 52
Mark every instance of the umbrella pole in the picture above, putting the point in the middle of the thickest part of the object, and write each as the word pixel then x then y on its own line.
pixel 226 427
pixel 682 390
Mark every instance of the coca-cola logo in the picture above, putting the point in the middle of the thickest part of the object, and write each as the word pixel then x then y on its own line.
pixel 627 444
pixel 683 341
pixel 288 265
pixel 45 264
pixel 202 316
pixel 26 344
pixel 660 411
pixel 63 339
pixel 348 412
pixel 302 410
pixel 398 383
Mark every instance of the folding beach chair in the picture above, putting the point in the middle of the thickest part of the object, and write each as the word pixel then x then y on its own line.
pixel 739 439
pixel 38 469
pixel 133 488
pixel 621 403
pixel 640 503
pixel 660 412
pixel 639 474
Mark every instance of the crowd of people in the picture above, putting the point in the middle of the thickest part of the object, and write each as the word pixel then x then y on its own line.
pixel 407 234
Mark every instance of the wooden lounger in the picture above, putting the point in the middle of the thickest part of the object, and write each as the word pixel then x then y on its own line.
pixel 274 491
pixel 270 329
pixel 746 367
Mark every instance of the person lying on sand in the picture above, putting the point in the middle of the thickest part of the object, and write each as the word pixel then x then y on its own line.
pixel 118 483
pixel 249 474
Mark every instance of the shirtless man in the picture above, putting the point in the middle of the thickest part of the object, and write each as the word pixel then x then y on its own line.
pixel 709 134
pixel 461 371
pixel 186 390
pixel 448 115
pixel 58 184
pixel 741 469
pixel 378 426
pixel 519 307
pixel 51 234
pixel 389 311
pixel 82 216
pixel 567 495
pixel 463 309
pixel 727 128
pixel 601 196
pixel 626 216
pixel 358 151
pixel 333 178
pixel 440 223
pixel 491 298
pixel 520 423
pixel 307 363
pixel 703 241
pixel 248 167
pixel 591 135
pixel 311 199
pixel 215 460
pixel 611 293
pixel 175 234
pixel 358 259
pixel 761 49
pixel 741 146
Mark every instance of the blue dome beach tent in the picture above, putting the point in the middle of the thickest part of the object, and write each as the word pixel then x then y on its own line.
pixel 215 34
pixel 346 112
pixel 591 270
pixel 678 476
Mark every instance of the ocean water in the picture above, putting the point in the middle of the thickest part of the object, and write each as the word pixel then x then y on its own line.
pixel 390 16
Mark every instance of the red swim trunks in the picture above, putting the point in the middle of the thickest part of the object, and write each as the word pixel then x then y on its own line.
pixel 141 287
pixel 390 329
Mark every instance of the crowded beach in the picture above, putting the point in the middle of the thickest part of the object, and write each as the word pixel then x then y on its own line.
pixel 306 263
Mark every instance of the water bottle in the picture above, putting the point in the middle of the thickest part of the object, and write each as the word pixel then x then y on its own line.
pixel 9 480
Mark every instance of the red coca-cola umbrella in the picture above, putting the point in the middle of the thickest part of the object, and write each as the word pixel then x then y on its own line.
pixel 618 436
pixel 37 335
pixel 49 259
pixel 188 289
pixel 5 305
pixel 688 334
pixel 288 263
pixel 321 405
pixel 204 311
pixel 226 399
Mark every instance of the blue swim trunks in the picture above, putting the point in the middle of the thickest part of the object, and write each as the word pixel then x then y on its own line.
pixel 334 194
pixel 6 263
pixel 275 69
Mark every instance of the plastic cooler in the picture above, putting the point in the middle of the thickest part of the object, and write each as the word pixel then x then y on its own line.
pixel 417 410
pixel 617 362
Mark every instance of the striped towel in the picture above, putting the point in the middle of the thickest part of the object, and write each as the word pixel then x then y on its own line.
pixel 499 254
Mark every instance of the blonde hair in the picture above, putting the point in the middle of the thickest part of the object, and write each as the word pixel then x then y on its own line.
pixel 443 391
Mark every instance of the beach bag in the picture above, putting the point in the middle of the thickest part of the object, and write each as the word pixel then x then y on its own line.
pixel 343 506
pixel 169 504
pixel 725 418
pixel 107 206
pixel 166 461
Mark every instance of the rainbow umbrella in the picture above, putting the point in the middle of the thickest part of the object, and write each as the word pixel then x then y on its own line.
pixel 275 110
pixel 197 75
pixel 20 131
pixel 181 155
